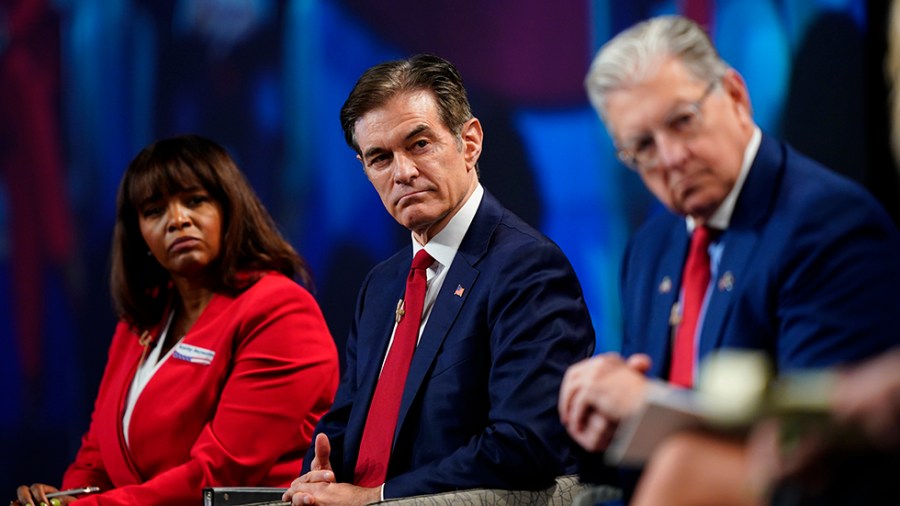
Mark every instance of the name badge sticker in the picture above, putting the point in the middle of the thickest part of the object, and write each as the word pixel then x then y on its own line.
pixel 193 354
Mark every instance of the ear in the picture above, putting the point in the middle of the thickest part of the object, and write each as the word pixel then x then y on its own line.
pixel 472 137
pixel 736 89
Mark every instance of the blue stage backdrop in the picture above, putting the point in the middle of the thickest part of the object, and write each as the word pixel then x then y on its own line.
pixel 85 84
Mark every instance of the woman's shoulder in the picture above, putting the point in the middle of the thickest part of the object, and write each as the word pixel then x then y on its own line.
pixel 274 297
pixel 274 287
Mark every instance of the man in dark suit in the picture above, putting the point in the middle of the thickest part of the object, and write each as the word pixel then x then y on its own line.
pixel 788 257
pixel 503 315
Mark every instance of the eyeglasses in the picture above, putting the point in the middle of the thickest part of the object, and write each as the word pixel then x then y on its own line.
pixel 684 122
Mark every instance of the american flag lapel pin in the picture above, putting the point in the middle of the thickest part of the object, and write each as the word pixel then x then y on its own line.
pixel 459 291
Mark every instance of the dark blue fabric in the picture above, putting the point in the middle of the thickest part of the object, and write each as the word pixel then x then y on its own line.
pixel 815 263
pixel 479 407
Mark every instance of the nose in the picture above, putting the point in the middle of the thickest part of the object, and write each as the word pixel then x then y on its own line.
pixel 405 169
pixel 178 217
pixel 671 151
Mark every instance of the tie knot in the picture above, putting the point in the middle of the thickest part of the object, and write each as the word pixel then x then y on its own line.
pixel 422 260
pixel 701 237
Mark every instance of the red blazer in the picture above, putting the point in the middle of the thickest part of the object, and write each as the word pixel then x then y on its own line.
pixel 245 419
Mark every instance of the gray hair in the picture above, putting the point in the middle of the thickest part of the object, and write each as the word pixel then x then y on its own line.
pixel 636 53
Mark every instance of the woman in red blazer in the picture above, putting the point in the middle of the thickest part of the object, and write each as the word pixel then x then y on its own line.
pixel 222 364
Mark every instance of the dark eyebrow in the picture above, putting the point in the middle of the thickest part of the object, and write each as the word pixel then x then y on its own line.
pixel 418 130
pixel 372 152
pixel 149 199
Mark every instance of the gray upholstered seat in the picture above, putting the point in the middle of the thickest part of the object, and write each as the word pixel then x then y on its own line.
pixel 561 494
pixel 565 492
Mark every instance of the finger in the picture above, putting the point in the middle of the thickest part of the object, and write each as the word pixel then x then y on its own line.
pixel 36 494
pixel 572 385
pixel 611 358
pixel 41 499
pixel 322 460
pixel 318 476
pixel 295 495
pixel 597 432
pixel 566 390
pixel 581 411
pixel 23 495
pixel 576 411
pixel 302 499
pixel 640 362
pixel 39 493
pixel 585 440
pixel 605 431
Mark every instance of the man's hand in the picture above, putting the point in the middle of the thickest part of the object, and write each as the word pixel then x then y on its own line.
pixel 320 470
pixel 868 396
pixel 330 493
pixel 597 393
pixel 318 486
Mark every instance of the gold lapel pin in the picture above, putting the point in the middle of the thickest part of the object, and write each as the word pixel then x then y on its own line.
pixel 400 311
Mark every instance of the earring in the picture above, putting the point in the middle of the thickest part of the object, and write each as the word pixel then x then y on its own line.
pixel 149 253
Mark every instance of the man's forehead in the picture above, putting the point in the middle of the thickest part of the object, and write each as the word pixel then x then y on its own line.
pixel 403 115
pixel 647 102
pixel 405 102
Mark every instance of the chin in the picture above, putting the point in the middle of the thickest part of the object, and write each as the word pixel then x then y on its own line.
pixel 702 213
pixel 414 221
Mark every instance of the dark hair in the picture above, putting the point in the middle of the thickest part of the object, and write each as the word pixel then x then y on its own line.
pixel 421 72
pixel 251 243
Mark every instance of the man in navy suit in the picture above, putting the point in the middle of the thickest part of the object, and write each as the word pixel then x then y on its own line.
pixel 802 264
pixel 503 312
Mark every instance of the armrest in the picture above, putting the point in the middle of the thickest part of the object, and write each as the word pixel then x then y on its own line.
pixel 563 493
pixel 560 494
pixel 233 496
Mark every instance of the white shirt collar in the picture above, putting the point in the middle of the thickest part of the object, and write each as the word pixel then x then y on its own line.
pixel 444 245
pixel 722 217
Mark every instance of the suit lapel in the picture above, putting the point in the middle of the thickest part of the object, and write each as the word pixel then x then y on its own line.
pixel 375 330
pixel 372 335
pixel 446 308
pixel 751 213
pixel 738 249
pixel 668 280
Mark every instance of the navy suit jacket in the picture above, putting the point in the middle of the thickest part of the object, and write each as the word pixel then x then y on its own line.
pixel 479 407
pixel 810 271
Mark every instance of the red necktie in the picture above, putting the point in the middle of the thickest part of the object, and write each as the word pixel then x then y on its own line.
pixel 695 280
pixel 378 434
